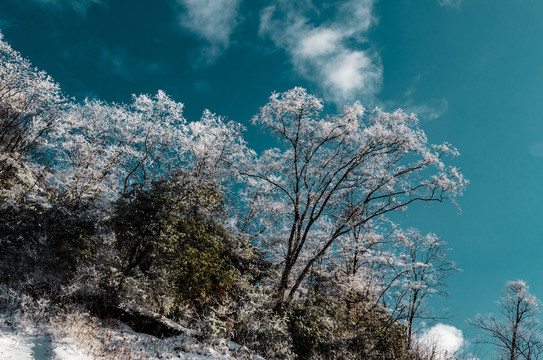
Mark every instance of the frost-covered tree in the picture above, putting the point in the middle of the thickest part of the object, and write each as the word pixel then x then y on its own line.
pixel 109 149
pixel 517 332
pixel 335 173
pixel 417 272
pixel 400 269
pixel 363 260
pixel 30 104
pixel 214 149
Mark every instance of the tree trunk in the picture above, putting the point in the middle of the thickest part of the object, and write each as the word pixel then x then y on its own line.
pixel 280 305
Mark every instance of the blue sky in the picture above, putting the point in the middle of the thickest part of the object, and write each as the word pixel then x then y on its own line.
pixel 471 69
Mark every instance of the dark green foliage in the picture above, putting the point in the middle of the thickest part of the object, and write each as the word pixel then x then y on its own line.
pixel 173 233
pixel 310 325
pixel 8 172
pixel 326 327
pixel 167 250
pixel 261 329
pixel 43 242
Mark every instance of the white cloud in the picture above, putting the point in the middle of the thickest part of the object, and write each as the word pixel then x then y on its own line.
pixel 443 340
pixel 79 6
pixel 334 54
pixel 318 42
pixel 212 20
pixel 450 3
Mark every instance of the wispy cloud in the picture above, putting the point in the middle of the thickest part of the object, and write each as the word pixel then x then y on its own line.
pixel 5 24
pixel 428 111
pixel 450 3
pixel 79 6
pixel 212 20
pixel 536 149
pixel 116 62
pixel 119 62
pixel 442 340
pixel 202 86
pixel 334 54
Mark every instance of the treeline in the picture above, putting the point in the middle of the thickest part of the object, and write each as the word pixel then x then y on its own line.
pixel 289 252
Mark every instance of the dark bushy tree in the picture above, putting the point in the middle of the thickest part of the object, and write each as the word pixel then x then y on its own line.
pixel 43 243
pixel 324 326
pixel 174 233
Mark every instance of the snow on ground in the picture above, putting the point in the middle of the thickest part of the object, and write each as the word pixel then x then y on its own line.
pixel 16 345
pixel 22 347
pixel 75 338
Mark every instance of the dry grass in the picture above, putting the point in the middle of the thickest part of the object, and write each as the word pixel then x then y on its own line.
pixel 74 330
pixel 100 339
pixel 94 338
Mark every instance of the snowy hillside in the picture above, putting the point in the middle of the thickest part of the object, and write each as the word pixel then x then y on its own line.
pixel 80 336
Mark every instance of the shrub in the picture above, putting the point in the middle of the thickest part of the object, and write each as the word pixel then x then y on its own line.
pixel 260 328
pixel 325 327
pixel 172 237
pixel 43 243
